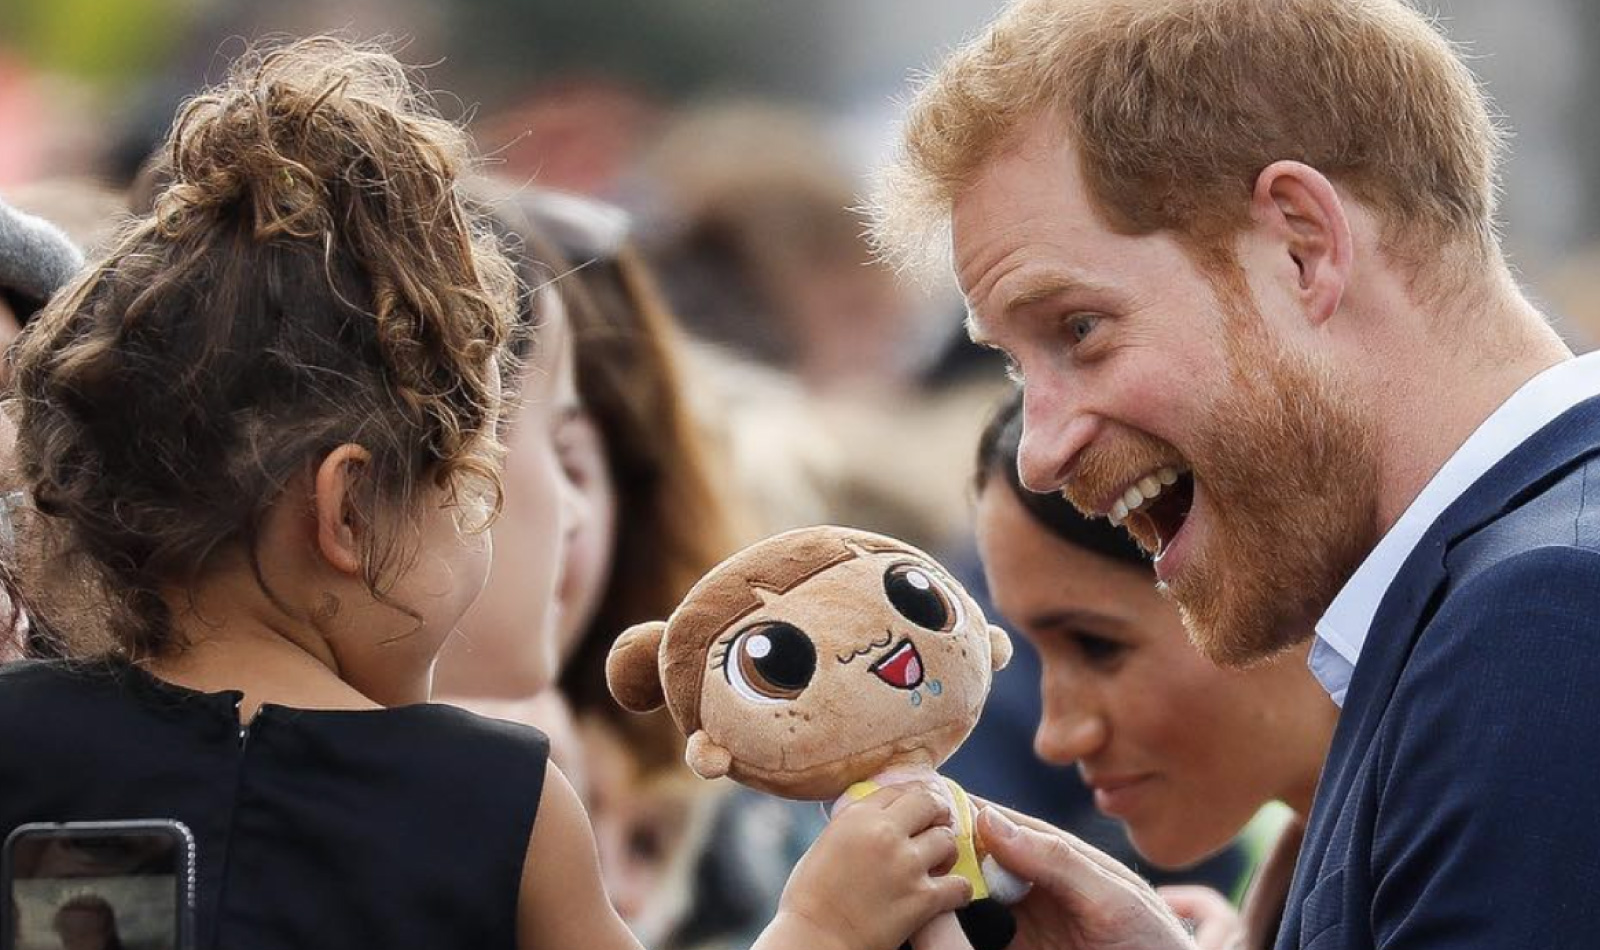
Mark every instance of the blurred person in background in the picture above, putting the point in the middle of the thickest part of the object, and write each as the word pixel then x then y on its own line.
pixel 678 859
pixel 37 258
pixel 1181 751
pixel 507 652
pixel 759 249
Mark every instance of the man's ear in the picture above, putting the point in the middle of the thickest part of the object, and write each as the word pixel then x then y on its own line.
pixel 706 758
pixel 633 667
pixel 999 649
pixel 339 526
pixel 1302 209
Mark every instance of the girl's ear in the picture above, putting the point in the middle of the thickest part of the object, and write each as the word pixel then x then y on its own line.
pixel 999 648
pixel 633 671
pixel 707 759
pixel 334 505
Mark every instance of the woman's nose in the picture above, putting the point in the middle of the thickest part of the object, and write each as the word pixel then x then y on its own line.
pixel 1070 730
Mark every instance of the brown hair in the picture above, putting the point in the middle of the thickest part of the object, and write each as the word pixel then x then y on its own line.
pixel 309 278
pixel 671 525
pixel 1176 106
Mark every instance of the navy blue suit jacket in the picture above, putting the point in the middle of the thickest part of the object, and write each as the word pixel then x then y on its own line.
pixel 1460 804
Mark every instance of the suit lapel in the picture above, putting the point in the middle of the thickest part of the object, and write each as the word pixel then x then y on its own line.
pixel 1413 597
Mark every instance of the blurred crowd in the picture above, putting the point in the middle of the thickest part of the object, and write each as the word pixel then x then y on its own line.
pixel 739 365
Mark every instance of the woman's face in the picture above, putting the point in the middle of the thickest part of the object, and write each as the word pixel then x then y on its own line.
pixel 1181 751
pixel 507 641
pixel 590 544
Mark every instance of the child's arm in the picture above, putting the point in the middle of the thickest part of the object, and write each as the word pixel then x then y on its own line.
pixel 563 902
pixel 869 880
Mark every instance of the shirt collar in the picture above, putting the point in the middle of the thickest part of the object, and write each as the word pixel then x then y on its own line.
pixel 1343 629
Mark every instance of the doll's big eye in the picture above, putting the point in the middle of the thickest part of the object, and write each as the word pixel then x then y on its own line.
pixel 921 597
pixel 770 662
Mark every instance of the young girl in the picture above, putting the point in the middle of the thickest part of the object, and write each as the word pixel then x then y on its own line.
pixel 260 443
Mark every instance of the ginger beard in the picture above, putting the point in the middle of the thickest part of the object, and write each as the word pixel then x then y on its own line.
pixel 1286 471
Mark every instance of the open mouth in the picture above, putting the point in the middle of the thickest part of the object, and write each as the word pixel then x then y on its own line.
pixel 1155 507
pixel 901 667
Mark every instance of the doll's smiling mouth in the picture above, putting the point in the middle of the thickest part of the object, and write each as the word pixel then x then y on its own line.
pixel 901 667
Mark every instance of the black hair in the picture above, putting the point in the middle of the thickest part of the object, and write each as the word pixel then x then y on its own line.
pixel 997 455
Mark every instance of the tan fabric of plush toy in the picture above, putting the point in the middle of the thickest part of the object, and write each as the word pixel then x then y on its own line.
pixel 818 660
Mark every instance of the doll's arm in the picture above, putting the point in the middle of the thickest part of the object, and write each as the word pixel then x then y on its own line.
pixel 563 902
pixel 868 882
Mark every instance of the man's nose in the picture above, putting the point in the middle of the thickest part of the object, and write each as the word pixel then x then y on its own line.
pixel 1073 726
pixel 1053 433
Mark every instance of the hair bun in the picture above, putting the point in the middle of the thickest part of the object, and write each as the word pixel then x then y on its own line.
pixel 294 123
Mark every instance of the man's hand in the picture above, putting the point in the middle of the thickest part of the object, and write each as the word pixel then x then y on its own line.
pixel 1217 925
pixel 1082 899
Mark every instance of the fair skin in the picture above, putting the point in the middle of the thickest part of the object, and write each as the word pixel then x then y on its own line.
pixel 507 648
pixel 1181 751
pixel 1118 334
pixel 322 640
pixel 590 546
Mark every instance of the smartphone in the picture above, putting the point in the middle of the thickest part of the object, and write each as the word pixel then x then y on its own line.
pixel 98 885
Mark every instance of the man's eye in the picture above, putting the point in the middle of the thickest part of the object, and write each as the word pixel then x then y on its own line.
pixel 1080 325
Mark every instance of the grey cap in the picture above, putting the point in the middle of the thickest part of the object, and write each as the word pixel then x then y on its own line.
pixel 36 257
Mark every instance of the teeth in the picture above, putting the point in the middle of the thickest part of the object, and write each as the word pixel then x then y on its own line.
pixel 1141 493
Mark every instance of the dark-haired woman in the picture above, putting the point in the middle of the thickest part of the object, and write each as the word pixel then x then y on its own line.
pixel 1182 752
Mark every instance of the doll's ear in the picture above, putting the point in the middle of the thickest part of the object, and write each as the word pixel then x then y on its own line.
pixel 633 671
pixel 999 648
pixel 706 758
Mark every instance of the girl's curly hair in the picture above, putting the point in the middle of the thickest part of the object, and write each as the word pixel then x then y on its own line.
pixel 310 277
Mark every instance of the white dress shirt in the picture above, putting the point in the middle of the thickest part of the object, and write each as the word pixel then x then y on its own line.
pixel 1343 629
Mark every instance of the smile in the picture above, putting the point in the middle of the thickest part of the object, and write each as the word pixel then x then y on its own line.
pixel 901 667
pixel 1161 500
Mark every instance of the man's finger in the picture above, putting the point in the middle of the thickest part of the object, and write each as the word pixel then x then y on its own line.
pixel 1048 860
pixel 1104 861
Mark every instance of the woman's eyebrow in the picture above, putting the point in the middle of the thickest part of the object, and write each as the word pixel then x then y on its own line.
pixel 1072 618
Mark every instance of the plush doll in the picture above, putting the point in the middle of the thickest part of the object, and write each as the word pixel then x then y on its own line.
pixel 820 664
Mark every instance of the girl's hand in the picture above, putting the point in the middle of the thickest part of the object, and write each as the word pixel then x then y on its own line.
pixel 873 877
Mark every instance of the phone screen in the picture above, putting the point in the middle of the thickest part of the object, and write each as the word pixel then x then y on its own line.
pixel 112 886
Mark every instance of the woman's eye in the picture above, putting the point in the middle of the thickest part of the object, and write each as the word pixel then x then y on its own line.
pixel 1080 325
pixel 578 448
pixel 770 662
pixel 918 595
pixel 1098 649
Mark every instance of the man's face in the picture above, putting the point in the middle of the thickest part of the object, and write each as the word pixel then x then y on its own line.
pixel 1163 399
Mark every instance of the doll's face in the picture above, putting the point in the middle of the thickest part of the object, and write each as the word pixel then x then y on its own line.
pixel 879 661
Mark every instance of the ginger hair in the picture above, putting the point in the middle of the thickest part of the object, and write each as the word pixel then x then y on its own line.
pixel 1176 106
pixel 308 277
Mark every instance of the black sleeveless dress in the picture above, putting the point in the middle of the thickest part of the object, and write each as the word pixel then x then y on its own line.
pixel 383 829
